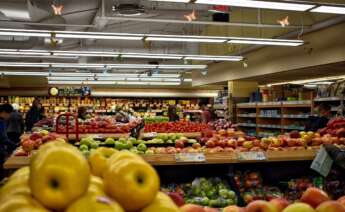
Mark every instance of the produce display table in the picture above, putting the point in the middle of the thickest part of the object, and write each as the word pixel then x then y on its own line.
pixel 15 162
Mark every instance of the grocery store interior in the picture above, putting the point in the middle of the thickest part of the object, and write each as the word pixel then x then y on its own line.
pixel 172 105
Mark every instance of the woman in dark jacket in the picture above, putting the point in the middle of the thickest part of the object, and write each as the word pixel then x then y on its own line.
pixel 35 114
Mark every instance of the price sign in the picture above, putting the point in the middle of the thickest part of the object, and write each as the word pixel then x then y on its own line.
pixel 150 135
pixel 251 156
pixel 190 157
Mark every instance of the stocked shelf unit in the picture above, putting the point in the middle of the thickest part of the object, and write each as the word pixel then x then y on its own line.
pixel 336 103
pixel 15 162
pixel 272 118
pixel 58 105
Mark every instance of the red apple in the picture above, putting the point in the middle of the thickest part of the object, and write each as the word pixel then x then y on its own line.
pixel 240 141
pixel 314 196
pixel 37 143
pixel 196 146
pixel 192 208
pixel 179 144
pixel 342 200
pixel 260 206
pixel 299 207
pixel 279 203
pixel 28 145
pixel 210 144
pixel 177 198
pixel 330 206
pixel 221 143
pixel 233 208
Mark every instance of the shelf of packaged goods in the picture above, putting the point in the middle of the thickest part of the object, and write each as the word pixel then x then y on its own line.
pixel 270 117
pixel 246 106
pixel 246 125
pixel 188 135
pixel 291 116
pixel 15 162
pixel 269 126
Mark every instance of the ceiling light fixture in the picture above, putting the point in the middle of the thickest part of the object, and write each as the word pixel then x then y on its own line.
pixel 74 74
pixel 145 37
pixel 75 54
pixel 263 41
pixel 94 65
pixel 110 83
pixel 329 9
pixel 252 4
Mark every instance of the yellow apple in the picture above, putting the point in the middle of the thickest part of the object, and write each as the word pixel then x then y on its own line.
pixel 21 203
pixel 98 159
pixel 15 186
pixel 93 203
pixel 162 202
pixel 59 174
pixel 24 171
pixel 96 186
pixel 299 207
pixel 132 183
pixel 123 156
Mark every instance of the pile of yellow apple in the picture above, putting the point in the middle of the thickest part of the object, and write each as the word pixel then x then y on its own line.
pixel 60 178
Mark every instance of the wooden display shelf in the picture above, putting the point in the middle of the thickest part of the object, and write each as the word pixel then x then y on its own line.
pixel 15 162
pixel 99 135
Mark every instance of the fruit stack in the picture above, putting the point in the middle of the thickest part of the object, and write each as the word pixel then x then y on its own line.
pixel 176 127
pixel 29 142
pixel 61 179
pixel 211 192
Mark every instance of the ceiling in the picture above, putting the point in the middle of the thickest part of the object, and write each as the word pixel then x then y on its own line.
pixel 81 15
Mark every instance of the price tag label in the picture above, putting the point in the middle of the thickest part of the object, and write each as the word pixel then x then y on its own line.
pixel 150 135
pixel 190 157
pixel 251 156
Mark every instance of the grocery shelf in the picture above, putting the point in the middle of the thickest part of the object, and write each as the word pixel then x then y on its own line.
pixel 274 117
pixel 246 115
pixel 15 162
pixel 246 124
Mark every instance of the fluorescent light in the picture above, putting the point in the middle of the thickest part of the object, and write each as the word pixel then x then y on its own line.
pixel 145 79
pixel 12 64
pixel 253 4
pixel 75 54
pixel 110 83
pixel 94 65
pixel 75 74
pixel 214 58
pixel 148 37
pixel 152 56
pixel 176 39
pixel 310 81
pixel 177 1
pixel 272 42
pixel 103 37
pixel 329 9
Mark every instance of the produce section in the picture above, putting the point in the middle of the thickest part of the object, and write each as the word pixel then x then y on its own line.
pixel 172 106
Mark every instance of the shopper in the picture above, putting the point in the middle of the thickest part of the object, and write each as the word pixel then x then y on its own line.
pixel 323 114
pixel 6 145
pixel 172 113
pixel 206 115
pixel 35 114
pixel 15 125
pixel 337 154
pixel 82 113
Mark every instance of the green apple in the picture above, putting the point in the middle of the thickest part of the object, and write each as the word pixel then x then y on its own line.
pixel 86 153
pixel 119 145
pixel 170 142
pixel 134 150
pixel 149 152
pixel 142 147
pixel 87 141
pixel 94 145
pixel 223 193
pixel 213 203
pixel 128 144
pixel 192 141
pixel 110 141
pixel 132 140
pixel 231 194
pixel 83 147
pixel 122 140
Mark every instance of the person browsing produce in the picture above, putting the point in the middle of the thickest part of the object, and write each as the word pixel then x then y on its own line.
pixel 35 114
pixel 6 145
pixel 319 121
